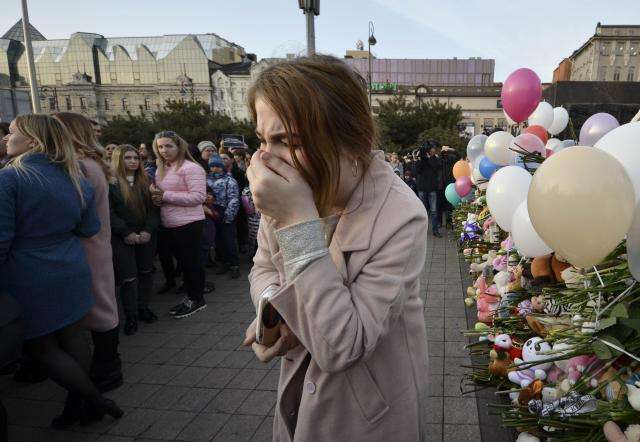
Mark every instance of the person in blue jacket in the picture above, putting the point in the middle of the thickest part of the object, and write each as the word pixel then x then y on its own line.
pixel 46 206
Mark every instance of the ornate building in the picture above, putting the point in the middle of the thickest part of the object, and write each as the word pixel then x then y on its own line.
pixel 102 77
pixel 612 53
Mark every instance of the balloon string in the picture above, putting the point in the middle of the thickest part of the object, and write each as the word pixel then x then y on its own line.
pixel 618 298
pixel 599 297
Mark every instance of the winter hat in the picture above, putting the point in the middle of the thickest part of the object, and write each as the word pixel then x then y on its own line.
pixel 216 161
pixel 202 145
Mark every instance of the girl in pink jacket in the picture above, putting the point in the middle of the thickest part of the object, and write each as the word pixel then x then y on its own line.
pixel 180 191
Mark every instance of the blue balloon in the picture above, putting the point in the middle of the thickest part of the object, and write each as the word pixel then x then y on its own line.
pixel 451 195
pixel 487 168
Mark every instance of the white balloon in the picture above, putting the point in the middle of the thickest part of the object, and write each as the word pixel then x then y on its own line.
pixel 560 120
pixel 624 144
pixel 542 116
pixel 475 147
pixel 507 189
pixel 525 237
pixel 496 148
pixel 478 179
pixel 553 143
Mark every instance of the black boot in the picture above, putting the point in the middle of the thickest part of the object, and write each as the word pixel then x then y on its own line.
pixel 96 409
pixel 72 412
pixel 106 366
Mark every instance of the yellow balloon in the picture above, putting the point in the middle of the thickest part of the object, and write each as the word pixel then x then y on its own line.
pixel 461 168
pixel 581 203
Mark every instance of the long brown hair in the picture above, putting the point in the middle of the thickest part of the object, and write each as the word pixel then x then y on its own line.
pixel 135 197
pixel 84 139
pixel 54 141
pixel 183 151
pixel 324 102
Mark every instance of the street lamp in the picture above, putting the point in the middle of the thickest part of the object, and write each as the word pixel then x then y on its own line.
pixel 310 8
pixel 372 42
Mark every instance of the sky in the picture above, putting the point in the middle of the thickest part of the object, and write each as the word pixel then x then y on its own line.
pixel 516 33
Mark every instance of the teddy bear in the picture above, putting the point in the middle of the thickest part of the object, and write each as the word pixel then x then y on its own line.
pixel 501 355
pixel 533 350
pixel 516 279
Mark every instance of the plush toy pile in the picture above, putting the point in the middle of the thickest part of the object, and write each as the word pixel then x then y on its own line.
pixel 552 236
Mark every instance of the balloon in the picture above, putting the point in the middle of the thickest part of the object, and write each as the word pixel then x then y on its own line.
pixel 507 189
pixel 529 143
pixel 451 195
pixel 549 153
pixel 521 94
pixel 525 237
pixel 479 180
pixel 470 197
pixel 463 186
pixel 568 143
pixel 552 143
pixel 542 116
pixel 487 168
pixel 496 148
pixel 560 120
pixel 475 147
pixel 596 127
pixel 581 203
pixel 623 143
pixel 538 131
pixel 510 122
pixel 461 168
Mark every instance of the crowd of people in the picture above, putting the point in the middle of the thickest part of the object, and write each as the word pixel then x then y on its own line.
pixel 427 171
pixel 115 208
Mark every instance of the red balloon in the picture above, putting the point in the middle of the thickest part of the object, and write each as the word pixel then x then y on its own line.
pixel 538 131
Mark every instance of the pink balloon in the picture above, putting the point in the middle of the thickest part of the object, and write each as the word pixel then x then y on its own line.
pixel 463 186
pixel 549 153
pixel 529 143
pixel 521 93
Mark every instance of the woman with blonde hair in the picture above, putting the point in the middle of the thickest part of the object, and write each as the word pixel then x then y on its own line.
pixel 102 320
pixel 180 191
pixel 341 247
pixel 134 221
pixel 46 206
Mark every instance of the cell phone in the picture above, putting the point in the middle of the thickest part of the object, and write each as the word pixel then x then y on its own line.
pixel 268 324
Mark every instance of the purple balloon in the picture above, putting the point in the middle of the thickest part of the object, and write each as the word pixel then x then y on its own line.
pixel 521 93
pixel 596 127
pixel 463 186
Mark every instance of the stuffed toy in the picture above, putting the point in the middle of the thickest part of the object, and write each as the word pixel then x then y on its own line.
pixel 534 350
pixel 541 271
pixel 504 343
pixel 502 280
pixel 558 265
pixel 633 395
pixel 516 280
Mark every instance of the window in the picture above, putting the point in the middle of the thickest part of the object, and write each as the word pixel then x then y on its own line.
pixel 83 103
pixel 52 103
pixel 602 73
pixel 619 48
pixel 616 73
pixel 604 48
pixel 147 103
pixel 107 104
pixel 125 103
pixel 633 48
pixel 68 103
pixel 488 123
pixel 631 73
pixel 499 104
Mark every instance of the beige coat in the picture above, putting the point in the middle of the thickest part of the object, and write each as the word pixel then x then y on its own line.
pixel 360 373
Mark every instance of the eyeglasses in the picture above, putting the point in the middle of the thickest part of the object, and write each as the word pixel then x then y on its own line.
pixel 166 134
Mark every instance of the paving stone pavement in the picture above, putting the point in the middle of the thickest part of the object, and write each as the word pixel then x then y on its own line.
pixel 191 380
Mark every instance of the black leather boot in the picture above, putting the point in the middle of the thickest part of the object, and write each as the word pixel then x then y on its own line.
pixel 106 366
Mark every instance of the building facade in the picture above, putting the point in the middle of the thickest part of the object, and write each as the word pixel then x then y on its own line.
pixel 612 53
pixel 103 77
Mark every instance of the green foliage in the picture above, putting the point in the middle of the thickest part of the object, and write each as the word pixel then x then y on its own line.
pixel 400 123
pixel 446 137
pixel 194 121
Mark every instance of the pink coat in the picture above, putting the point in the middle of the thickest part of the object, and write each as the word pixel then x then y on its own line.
pixel 184 193
pixel 103 316
pixel 360 373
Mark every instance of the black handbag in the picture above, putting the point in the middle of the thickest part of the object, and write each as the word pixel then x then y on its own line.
pixel 11 330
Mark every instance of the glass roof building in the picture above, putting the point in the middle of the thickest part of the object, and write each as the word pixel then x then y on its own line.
pixel 106 76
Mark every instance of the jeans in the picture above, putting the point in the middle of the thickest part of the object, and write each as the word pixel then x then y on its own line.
pixel 133 265
pixel 433 211
pixel 226 242
pixel 185 243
